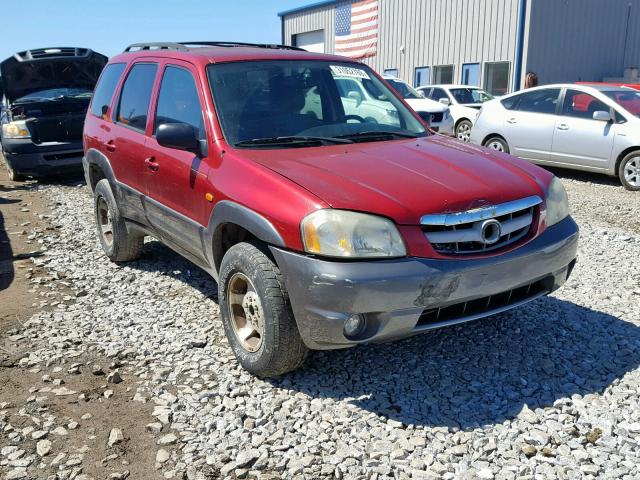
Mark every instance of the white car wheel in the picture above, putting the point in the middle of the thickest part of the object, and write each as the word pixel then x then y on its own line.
pixel 630 171
pixel 463 131
pixel 497 143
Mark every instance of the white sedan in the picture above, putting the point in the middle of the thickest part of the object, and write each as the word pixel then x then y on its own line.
pixel 584 127
pixel 436 114
pixel 464 101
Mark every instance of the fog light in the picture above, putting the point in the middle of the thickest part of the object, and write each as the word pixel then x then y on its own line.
pixel 354 325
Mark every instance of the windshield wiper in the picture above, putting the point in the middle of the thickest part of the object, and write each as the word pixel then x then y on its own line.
pixel 291 140
pixel 377 135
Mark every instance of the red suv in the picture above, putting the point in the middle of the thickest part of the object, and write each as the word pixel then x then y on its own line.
pixel 323 228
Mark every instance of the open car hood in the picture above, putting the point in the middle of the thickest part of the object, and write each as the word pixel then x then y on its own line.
pixel 40 69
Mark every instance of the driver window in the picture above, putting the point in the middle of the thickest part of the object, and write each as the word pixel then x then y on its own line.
pixel 178 100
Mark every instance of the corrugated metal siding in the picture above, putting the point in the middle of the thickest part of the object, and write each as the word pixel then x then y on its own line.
pixel 432 32
pixel 573 40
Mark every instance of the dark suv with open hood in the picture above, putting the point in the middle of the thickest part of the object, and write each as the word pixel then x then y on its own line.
pixel 45 94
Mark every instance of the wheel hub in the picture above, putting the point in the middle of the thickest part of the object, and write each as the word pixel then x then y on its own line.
pixel 245 312
pixel 632 172
pixel 105 222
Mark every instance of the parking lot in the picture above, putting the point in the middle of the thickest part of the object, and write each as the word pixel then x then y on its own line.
pixel 549 390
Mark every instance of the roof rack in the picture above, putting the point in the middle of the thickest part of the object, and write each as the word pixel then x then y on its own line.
pixel 184 46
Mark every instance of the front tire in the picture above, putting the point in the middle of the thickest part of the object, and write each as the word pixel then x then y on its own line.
pixel 117 242
pixel 463 130
pixel 629 171
pixel 497 143
pixel 11 173
pixel 256 314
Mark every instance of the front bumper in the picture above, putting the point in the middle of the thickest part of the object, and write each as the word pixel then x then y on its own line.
pixel 28 158
pixel 403 297
pixel 444 127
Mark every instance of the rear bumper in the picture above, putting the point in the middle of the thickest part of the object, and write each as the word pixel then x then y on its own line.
pixel 28 158
pixel 399 298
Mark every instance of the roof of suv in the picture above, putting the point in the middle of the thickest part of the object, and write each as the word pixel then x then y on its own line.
pixel 218 52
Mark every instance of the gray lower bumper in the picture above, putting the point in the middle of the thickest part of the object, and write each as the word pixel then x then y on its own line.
pixel 399 298
pixel 28 158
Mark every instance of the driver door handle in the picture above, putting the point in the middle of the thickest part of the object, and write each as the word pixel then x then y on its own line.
pixel 512 120
pixel 151 164
pixel 563 126
pixel 110 146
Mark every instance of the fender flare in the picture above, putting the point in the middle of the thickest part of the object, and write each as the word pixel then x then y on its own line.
pixel 95 157
pixel 227 211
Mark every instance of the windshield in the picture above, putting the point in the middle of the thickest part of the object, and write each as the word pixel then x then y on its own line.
pixel 53 94
pixel 303 103
pixel 404 89
pixel 627 99
pixel 470 95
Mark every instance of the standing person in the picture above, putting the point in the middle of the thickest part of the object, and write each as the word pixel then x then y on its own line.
pixel 531 80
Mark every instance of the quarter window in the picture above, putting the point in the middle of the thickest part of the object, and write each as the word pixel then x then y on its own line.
pixel 496 78
pixel 536 101
pixel 178 101
pixel 582 105
pixel 136 95
pixel 105 88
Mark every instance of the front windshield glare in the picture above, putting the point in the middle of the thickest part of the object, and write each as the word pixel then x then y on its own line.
pixel 56 94
pixel 627 99
pixel 275 100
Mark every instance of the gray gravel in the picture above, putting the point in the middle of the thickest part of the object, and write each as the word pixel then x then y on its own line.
pixel 551 390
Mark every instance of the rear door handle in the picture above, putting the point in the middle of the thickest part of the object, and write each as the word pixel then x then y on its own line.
pixel 563 126
pixel 110 146
pixel 151 164
pixel 512 120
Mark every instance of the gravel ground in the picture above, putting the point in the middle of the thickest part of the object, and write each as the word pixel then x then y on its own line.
pixel 551 390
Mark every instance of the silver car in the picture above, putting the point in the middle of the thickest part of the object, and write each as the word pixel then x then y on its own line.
pixel 584 127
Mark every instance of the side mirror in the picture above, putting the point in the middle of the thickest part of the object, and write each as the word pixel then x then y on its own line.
pixel 602 116
pixel 445 101
pixel 180 136
pixel 357 96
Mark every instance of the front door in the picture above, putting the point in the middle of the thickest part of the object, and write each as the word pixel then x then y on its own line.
pixel 176 202
pixel 578 138
pixel 530 122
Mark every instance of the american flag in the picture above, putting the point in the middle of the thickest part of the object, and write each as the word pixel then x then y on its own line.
pixel 357 28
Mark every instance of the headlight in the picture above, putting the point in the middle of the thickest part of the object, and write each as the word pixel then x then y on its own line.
pixel 557 202
pixel 341 233
pixel 17 129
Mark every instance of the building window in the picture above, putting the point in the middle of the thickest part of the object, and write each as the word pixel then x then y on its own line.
pixel 471 74
pixel 392 72
pixel 443 74
pixel 496 78
pixel 421 78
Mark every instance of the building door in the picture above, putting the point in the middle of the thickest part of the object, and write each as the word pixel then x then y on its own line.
pixel 310 41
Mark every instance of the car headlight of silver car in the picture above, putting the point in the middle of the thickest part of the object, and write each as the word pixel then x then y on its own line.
pixel 17 129
pixel 342 233
pixel 557 202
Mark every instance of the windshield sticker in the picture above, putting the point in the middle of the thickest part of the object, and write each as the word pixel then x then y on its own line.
pixel 342 71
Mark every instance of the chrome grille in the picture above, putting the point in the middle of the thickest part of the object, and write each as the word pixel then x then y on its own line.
pixel 480 230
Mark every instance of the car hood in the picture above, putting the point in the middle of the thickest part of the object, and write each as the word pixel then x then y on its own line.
pixel 406 179
pixel 27 72
pixel 425 105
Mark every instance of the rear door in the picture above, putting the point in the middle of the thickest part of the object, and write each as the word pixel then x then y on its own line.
pixel 530 122
pixel 579 139
pixel 125 144
pixel 176 203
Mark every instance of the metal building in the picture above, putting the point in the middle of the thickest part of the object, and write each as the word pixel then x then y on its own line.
pixel 490 43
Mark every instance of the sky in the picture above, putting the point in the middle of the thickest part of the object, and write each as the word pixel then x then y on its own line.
pixel 109 26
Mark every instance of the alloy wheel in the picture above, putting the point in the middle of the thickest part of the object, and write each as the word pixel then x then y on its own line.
pixel 245 312
pixel 495 145
pixel 464 132
pixel 105 222
pixel 632 172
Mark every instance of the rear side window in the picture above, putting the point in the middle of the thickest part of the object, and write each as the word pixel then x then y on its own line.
pixel 105 88
pixel 136 96
pixel 537 101
pixel 178 101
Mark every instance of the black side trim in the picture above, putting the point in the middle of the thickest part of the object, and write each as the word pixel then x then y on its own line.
pixel 95 158
pixel 227 211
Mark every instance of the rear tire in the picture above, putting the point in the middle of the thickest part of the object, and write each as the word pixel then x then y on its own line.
pixel 463 130
pixel 117 242
pixel 256 313
pixel 629 171
pixel 497 143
